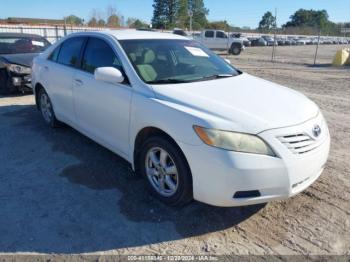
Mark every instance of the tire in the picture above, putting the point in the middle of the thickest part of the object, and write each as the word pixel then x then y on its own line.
pixel 46 109
pixel 6 87
pixel 172 171
pixel 235 49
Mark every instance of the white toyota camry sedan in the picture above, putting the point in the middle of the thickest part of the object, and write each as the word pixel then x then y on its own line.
pixel 187 120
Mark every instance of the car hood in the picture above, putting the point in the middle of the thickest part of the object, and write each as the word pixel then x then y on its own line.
pixel 20 59
pixel 249 103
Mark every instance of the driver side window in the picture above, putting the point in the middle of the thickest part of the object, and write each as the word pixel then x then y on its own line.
pixel 220 34
pixel 99 54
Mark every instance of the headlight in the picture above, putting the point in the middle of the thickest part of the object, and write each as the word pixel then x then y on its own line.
pixel 234 141
pixel 19 69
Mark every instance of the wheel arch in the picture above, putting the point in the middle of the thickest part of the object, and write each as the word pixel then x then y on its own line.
pixel 150 131
pixel 37 88
pixel 238 44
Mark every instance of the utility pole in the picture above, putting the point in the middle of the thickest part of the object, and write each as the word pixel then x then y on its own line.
pixel 274 38
pixel 318 43
pixel 190 14
pixel 228 38
pixel 65 26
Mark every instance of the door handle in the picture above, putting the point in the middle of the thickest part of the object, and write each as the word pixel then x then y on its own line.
pixel 46 68
pixel 78 82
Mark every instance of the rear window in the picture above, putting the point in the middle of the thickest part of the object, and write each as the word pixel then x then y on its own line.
pixel 23 44
pixel 209 34
pixel 70 51
pixel 54 55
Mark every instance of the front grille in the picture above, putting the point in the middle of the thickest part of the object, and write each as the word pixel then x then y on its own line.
pixel 299 143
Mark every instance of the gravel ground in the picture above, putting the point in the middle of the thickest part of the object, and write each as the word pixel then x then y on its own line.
pixel 62 193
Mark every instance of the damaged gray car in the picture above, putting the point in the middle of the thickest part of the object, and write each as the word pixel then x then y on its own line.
pixel 17 51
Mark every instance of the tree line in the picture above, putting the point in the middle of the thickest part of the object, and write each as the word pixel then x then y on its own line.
pixel 303 22
pixel 109 18
pixel 168 14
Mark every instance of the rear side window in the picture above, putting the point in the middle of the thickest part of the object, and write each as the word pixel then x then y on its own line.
pixel 70 51
pixel 209 34
pixel 99 54
pixel 54 55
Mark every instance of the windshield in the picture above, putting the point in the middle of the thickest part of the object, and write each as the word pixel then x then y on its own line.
pixel 175 61
pixel 20 45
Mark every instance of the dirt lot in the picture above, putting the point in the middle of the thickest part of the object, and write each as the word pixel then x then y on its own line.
pixel 62 193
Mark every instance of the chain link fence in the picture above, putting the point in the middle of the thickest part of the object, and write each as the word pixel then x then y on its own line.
pixel 295 49
pixel 51 33
pixel 292 49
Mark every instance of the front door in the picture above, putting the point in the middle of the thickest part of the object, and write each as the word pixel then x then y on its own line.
pixel 102 109
pixel 221 40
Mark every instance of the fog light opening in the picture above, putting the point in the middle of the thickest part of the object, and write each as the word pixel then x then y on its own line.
pixel 16 81
pixel 247 194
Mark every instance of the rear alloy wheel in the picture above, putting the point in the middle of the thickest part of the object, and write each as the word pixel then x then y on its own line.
pixel 46 109
pixel 165 168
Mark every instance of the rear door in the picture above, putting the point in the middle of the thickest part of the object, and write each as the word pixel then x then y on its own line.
pixel 59 71
pixel 209 39
pixel 102 109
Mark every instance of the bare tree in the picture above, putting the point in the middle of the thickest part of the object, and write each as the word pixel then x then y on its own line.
pixel 113 19
pixel 94 18
pixel 97 18
pixel 111 10
pixel 110 17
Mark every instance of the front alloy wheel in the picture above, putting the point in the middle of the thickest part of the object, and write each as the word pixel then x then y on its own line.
pixel 166 170
pixel 161 171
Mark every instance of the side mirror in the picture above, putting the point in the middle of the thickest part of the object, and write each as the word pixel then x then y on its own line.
pixel 228 61
pixel 109 75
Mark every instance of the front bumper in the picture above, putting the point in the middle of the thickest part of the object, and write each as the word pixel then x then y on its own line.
pixel 22 82
pixel 219 174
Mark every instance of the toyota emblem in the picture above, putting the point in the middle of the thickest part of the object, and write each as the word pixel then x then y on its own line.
pixel 316 131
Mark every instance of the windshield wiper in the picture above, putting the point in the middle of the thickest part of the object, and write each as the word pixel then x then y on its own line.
pixel 168 81
pixel 210 77
pixel 179 81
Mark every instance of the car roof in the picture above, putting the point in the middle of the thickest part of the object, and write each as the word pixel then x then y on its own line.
pixel 127 34
pixel 18 35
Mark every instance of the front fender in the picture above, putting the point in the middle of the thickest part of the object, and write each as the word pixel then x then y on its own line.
pixel 169 117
